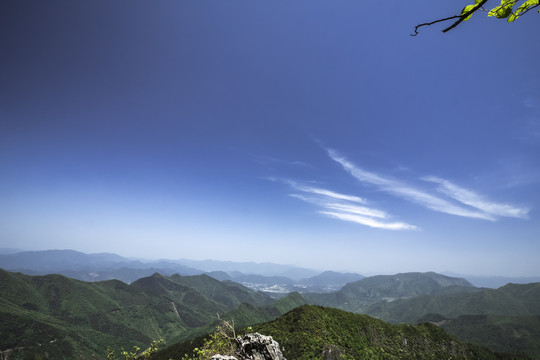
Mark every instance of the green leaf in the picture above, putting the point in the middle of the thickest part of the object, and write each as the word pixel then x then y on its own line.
pixel 504 10
pixel 466 9
pixel 493 12
pixel 523 7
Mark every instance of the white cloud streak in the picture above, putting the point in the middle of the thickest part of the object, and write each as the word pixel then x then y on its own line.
pixel 346 208
pixel 330 194
pixel 475 206
pixel 369 221
pixel 472 199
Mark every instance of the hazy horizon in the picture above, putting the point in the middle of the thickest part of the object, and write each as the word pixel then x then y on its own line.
pixel 447 272
pixel 311 133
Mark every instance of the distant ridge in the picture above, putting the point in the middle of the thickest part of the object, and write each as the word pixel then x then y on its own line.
pixel 266 277
pixel 264 269
pixel 504 319
pixel 511 300
pixel 105 266
pixel 495 282
pixel 359 295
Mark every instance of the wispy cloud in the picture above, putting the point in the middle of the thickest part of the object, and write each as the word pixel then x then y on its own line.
pixel 472 199
pixel 328 193
pixel 266 160
pixel 369 221
pixel 475 206
pixel 346 207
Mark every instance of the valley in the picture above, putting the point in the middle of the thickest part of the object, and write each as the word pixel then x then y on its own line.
pixel 61 317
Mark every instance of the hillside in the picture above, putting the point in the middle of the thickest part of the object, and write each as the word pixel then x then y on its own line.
pixel 511 300
pixel 359 295
pixel 247 314
pixel 505 319
pixel 314 332
pixel 75 319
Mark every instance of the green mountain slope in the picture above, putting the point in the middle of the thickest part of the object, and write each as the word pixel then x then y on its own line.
pixel 504 319
pixel 315 332
pixel 247 314
pixel 499 333
pixel 359 295
pixel 511 300
pixel 78 319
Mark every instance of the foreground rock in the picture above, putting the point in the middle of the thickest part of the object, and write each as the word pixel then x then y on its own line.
pixel 254 347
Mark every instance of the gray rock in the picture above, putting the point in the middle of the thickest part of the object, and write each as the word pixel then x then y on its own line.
pixel 260 347
pixel 254 347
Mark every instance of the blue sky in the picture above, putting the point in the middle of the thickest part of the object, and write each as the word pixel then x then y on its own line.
pixel 316 133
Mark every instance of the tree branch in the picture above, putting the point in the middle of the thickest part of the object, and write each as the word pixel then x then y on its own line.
pixel 461 18
pixel 529 9
pixel 433 22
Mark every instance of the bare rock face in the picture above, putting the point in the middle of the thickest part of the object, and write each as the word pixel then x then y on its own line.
pixel 254 347
pixel 260 347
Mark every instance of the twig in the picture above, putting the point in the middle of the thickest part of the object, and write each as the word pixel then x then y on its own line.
pixel 461 18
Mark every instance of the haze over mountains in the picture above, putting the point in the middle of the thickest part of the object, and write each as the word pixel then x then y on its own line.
pixel 268 277
pixel 178 301
pixel 68 318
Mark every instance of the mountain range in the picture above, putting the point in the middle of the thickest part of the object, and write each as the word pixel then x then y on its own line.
pixel 273 279
pixel 69 318
pixel 359 295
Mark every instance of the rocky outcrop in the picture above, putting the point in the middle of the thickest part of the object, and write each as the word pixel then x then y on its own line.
pixel 254 347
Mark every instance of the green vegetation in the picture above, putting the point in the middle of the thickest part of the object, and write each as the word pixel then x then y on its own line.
pixel 358 296
pixel 315 332
pixel 246 315
pixel 516 334
pixel 68 319
pixel 136 354
pixel 60 318
pixel 449 302
pixel 220 341
pixel 504 319
pixel 510 300
pixel 507 9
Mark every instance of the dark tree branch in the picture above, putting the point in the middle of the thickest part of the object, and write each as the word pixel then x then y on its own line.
pixel 433 22
pixel 461 18
pixel 529 9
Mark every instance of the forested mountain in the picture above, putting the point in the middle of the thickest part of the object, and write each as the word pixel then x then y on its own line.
pixel 359 295
pixel 511 300
pixel 308 331
pixel 504 319
pixel 510 314
pixel 276 280
pixel 69 319
pixel 314 332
